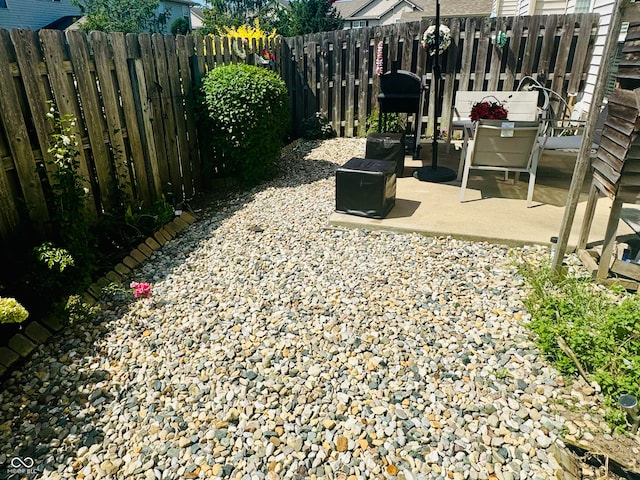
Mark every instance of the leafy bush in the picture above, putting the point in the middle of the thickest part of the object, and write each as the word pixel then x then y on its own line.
pixel 11 311
pixel 76 310
pixel 249 111
pixel 602 329
pixel 317 127
pixel 56 259
pixel 180 26
pixel 393 121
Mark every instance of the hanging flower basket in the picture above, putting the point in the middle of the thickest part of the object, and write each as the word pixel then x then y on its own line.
pixel 429 39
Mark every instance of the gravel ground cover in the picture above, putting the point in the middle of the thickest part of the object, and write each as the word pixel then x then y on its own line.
pixel 275 347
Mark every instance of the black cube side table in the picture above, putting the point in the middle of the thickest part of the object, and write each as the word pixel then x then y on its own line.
pixel 366 187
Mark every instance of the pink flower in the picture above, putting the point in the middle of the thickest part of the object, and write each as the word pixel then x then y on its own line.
pixel 141 290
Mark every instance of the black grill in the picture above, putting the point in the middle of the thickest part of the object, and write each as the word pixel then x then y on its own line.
pixel 401 92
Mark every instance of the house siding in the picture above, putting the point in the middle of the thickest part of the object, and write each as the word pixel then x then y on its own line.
pixel 605 9
pixel 34 14
pixel 176 10
pixel 505 8
pixel 550 7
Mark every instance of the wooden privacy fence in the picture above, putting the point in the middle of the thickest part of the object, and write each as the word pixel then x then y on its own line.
pixel 334 72
pixel 133 98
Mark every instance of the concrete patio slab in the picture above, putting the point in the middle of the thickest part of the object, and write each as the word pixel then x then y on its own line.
pixel 494 208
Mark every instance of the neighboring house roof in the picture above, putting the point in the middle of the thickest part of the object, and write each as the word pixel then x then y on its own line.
pixel 197 17
pixel 460 8
pixel 347 8
pixel 377 9
pixel 198 12
pixel 63 23
pixel 34 14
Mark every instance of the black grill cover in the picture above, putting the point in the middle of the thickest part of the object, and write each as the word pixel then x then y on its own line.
pixel 366 188
pixel 388 147
pixel 399 92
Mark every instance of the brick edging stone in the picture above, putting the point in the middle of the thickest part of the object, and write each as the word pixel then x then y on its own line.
pixel 38 332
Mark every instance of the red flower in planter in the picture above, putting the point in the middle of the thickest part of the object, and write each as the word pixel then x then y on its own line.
pixel 488 111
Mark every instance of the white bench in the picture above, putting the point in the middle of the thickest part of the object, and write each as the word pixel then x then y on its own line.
pixel 520 105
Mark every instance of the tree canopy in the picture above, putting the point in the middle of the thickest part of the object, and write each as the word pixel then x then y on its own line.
pixel 299 18
pixel 122 15
pixel 310 16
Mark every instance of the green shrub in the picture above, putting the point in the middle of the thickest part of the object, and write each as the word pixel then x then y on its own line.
pixel 11 311
pixel 317 127
pixel 180 26
pixel 394 123
pixel 601 328
pixel 249 111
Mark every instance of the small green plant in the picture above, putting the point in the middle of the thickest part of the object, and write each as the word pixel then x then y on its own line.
pixel 77 310
pixel 249 111
pixel 393 122
pixel 601 327
pixel 56 259
pixel 11 311
pixel 317 127
pixel 69 196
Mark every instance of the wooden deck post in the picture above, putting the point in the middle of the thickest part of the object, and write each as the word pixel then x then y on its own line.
pixel 582 164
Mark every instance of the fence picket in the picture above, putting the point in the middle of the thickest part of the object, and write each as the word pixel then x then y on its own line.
pixel 109 91
pixel 95 124
pixel 145 111
pixel 583 51
pixel 349 83
pixel 531 44
pixel 9 215
pixel 323 74
pixel 363 79
pixel 23 157
pixel 134 135
pixel 183 174
pixel 66 99
pixel 564 48
pixel 484 40
pixel 467 54
pixel 154 97
pixel 497 55
pixel 191 167
pixel 513 53
pixel 29 60
pixel 168 117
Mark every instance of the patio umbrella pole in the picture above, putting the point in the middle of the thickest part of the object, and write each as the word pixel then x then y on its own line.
pixel 435 173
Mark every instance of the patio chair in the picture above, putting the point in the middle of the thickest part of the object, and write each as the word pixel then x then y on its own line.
pixel 502 145
pixel 522 106
pixel 564 137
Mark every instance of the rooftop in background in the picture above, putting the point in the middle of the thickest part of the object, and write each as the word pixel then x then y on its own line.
pixel 361 13
pixel 462 8
pixel 63 22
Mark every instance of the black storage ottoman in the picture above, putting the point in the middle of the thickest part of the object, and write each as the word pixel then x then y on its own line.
pixel 366 187
pixel 388 147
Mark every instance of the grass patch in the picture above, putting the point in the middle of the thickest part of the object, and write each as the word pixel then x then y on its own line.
pixel 601 326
